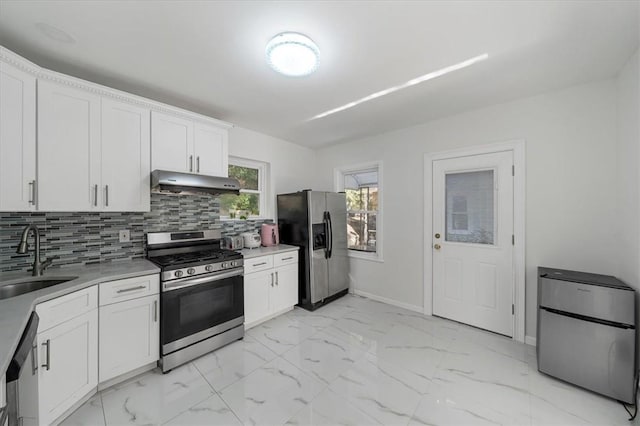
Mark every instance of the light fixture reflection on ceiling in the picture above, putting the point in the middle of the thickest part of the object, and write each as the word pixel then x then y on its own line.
pixel 292 54
pixel 55 33
pixel 413 82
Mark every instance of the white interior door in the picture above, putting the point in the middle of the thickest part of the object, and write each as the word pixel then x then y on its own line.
pixel 472 249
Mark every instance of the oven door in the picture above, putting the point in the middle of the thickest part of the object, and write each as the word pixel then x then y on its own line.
pixel 194 309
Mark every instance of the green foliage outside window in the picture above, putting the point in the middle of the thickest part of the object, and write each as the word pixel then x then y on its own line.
pixel 247 203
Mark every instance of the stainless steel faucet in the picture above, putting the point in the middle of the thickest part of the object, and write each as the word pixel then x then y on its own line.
pixel 38 267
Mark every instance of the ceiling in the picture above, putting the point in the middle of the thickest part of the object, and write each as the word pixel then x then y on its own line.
pixel 208 56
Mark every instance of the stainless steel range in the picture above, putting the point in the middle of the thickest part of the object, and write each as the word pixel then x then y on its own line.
pixel 201 299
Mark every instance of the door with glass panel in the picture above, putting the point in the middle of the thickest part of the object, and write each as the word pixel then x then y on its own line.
pixel 473 276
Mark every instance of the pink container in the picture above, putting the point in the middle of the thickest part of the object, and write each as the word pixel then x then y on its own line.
pixel 269 234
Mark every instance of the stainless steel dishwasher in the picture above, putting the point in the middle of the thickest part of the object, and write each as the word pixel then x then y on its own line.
pixel 587 331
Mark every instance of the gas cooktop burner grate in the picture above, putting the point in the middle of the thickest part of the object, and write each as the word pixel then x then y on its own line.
pixel 200 257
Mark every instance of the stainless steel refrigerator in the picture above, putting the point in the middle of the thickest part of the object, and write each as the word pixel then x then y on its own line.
pixel 587 331
pixel 316 221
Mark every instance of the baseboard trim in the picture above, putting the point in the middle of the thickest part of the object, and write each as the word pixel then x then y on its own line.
pixel 247 326
pixel 126 376
pixel 530 340
pixel 403 305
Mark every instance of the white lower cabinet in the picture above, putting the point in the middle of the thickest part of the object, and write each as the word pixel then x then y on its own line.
pixel 256 296
pixel 68 371
pixel 63 368
pixel 269 291
pixel 284 293
pixel 129 336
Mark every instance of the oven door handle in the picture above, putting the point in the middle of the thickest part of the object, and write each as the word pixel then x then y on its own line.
pixel 189 282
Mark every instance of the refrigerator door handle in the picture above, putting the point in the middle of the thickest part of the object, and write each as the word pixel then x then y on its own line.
pixel 325 220
pixel 330 234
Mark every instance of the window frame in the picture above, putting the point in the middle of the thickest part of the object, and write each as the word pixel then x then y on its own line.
pixel 262 191
pixel 339 173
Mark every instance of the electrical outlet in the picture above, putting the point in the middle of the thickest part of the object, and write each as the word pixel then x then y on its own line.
pixel 125 236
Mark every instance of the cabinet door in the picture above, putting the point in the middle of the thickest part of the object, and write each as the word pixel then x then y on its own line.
pixel 285 293
pixel 126 156
pixel 68 358
pixel 256 295
pixel 68 149
pixel 211 150
pixel 17 139
pixel 171 143
pixel 129 336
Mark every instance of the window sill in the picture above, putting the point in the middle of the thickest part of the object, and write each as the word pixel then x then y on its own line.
pixel 372 257
pixel 228 219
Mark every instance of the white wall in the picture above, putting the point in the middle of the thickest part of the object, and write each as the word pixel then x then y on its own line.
pixel 290 164
pixel 571 167
pixel 628 177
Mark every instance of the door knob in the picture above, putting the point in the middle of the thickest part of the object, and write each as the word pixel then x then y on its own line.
pixel 437 235
pixel 436 246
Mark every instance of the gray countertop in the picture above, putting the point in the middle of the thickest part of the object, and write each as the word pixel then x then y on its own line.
pixel 265 251
pixel 15 311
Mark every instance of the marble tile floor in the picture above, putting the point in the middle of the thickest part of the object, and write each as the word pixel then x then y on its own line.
pixel 354 362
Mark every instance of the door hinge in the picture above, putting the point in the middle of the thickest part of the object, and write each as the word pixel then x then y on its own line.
pixel 513 170
pixel 513 240
pixel 513 309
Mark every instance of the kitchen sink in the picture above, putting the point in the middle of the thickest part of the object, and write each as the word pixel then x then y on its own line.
pixel 29 285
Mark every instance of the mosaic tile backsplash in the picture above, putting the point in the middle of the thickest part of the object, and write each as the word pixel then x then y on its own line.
pixel 90 238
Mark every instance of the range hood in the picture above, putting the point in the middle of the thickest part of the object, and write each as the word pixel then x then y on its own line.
pixel 188 183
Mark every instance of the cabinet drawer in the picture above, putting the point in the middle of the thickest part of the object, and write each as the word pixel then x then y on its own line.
pixel 258 264
pixel 286 258
pixel 57 311
pixel 130 288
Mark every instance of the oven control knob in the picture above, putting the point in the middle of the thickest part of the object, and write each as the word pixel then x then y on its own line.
pixel 225 265
pixel 178 274
pixel 208 268
pixel 191 271
pixel 235 263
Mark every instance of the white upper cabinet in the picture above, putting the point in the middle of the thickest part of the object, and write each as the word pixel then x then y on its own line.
pixel 210 145
pixel 17 139
pixel 172 143
pixel 187 146
pixel 71 145
pixel 126 156
pixel 68 149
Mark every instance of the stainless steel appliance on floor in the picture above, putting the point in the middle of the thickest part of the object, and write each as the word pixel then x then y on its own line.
pixel 317 222
pixel 201 296
pixel 587 331
pixel 17 367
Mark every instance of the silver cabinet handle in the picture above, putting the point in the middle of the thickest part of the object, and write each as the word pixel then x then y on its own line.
pixel 287 258
pixel 34 360
pixel 261 263
pixel 272 279
pixel 124 290
pixel 155 311
pixel 198 164
pixel 32 194
pixel 95 195
pixel 106 195
pixel 48 345
pixel 277 280
pixel 191 163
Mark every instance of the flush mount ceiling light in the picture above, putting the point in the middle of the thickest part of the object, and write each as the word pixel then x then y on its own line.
pixel 293 54
pixel 412 82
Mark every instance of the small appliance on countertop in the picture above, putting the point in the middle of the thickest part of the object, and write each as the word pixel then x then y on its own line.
pixel 235 242
pixel 269 234
pixel 251 239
